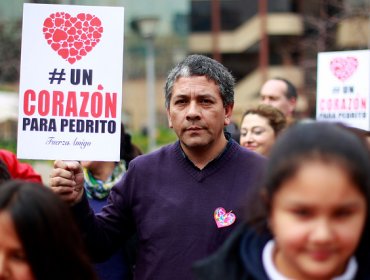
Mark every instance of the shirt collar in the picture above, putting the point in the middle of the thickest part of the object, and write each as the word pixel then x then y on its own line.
pixel 273 273
pixel 227 147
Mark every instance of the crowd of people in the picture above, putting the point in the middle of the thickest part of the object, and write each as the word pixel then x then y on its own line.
pixel 287 200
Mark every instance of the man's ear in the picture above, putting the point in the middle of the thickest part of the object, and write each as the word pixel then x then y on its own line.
pixel 169 118
pixel 228 113
pixel 293 104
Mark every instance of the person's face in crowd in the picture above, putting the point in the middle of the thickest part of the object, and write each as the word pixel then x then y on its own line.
pixel 256 134
pixel 273 93
pixel 13 261
pixel 196 113
pixel 317 218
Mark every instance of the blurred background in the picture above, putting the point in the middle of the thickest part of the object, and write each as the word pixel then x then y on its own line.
pixel 255 40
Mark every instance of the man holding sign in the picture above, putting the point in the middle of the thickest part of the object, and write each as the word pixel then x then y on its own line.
pixel 183 200
pixel 70 93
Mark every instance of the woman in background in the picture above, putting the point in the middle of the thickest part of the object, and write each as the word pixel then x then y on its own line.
pixel 259 128
pixel 38 236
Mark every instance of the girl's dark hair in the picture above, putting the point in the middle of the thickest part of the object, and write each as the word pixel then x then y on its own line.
pixel 47 231
pixel 322 141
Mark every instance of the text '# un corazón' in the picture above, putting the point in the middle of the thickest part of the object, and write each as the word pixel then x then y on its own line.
pixel 76 111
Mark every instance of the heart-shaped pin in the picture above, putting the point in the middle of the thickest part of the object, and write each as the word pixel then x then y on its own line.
pixel 72 37
pixel 222 218
pixel 343 67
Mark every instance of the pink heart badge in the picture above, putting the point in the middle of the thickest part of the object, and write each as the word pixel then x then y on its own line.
pixel 72 37
pixel 222 218
pixel 343 68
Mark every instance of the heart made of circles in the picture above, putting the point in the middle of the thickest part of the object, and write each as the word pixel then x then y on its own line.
pixel 72 37
pixel 343 67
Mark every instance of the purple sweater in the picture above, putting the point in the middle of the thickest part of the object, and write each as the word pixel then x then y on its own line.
pixel 170 204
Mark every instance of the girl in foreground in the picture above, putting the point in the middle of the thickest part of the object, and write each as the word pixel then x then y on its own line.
pixel 314 222
pixel 38 237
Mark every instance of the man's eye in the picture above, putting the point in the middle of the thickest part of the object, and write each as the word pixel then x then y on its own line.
pixel 206 101
pixel 179 102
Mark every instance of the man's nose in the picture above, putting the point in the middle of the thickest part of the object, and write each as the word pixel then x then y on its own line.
pixel 193 111
pixel 266 101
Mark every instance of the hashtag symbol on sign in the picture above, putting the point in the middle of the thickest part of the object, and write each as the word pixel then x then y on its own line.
pixel 56 76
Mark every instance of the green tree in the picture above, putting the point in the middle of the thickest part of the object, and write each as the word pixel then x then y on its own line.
pixel 10 51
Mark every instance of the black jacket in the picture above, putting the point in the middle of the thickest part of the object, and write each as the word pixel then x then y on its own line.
pixel 229 263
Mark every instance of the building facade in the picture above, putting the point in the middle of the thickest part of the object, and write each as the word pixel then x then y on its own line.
pixel 262 39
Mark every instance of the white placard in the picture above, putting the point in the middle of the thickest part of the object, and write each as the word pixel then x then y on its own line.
pixel 71 82
pixel 343 88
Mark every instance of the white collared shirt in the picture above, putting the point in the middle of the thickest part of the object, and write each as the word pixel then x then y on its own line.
pixel 274 274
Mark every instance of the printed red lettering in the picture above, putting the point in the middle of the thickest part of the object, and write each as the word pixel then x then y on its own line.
pixel 85 99
pixel 110 105
pixel 96 104
pixel 57 109
pixel 43 103
pixel 71 106
pixel 29 96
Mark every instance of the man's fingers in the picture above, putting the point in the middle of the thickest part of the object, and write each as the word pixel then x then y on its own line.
pixel 66 180
pixel 60 190
pixel 61 181
pixel 69 194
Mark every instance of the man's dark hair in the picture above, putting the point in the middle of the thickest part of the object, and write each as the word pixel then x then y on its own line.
pixel 291 90
pixel 200 65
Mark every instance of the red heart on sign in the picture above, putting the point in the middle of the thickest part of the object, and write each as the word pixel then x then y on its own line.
pixel 343 68
pixel 72 37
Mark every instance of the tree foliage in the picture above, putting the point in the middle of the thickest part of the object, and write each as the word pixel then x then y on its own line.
pixel 10 51
pixel 321 20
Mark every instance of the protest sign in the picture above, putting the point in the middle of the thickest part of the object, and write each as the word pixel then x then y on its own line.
pixel 70 93
pixel 343 88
